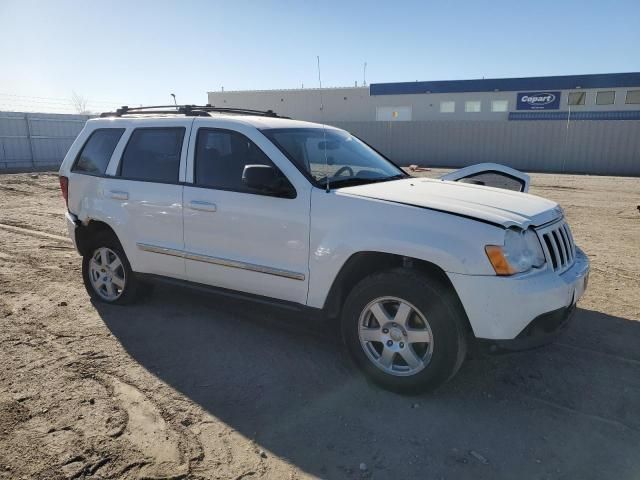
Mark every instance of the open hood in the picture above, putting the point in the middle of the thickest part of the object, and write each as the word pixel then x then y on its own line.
pixel 491 175
pixel 494 205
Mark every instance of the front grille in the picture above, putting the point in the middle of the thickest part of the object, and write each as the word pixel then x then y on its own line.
pixel 557 243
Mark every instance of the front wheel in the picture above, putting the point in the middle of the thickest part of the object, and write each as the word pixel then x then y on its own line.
pixel 403 331
pixel 107 274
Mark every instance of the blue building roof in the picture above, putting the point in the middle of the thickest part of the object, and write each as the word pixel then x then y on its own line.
pixel 564 82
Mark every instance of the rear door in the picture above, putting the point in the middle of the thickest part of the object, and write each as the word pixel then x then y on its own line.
pixel 491 175
pixel 144 194
pixel 237 238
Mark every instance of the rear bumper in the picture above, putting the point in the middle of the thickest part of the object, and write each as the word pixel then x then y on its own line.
pixel 72 224
pixel 523 306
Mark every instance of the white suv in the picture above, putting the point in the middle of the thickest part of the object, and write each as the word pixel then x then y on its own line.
pixel 305 215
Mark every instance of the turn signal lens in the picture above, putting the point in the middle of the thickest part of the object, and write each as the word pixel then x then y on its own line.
pixel 498 260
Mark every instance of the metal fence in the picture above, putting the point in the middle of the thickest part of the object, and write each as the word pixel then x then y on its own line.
pixel 606 147
pixel 601 147
pixel 36 140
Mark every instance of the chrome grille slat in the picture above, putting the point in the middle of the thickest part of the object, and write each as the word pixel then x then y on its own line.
pixel 563 249
pixel 557 243
pixel 550 253
pixel 570 236
pixel 556 252
pixel 565 242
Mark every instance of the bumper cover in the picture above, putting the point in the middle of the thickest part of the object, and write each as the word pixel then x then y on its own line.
pixel 510 308
pixel 541 331
pixel 72 224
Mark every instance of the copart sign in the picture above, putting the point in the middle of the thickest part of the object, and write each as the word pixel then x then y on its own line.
pixel 538 101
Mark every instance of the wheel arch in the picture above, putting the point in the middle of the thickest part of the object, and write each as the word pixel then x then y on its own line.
pixel 86 232
pixel 363 264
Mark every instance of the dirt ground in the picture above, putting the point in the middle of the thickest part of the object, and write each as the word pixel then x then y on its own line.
pixel 187 386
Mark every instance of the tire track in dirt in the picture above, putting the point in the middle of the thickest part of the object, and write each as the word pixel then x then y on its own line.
pixel 118 431
pixel 115 427
pixel 33 232
pixel 107 417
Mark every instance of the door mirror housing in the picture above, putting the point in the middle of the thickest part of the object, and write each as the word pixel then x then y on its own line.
pixel 267 179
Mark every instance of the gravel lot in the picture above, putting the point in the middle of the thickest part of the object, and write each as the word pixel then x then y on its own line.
pixel 188 386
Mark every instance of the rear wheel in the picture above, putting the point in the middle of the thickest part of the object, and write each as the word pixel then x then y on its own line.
pixel 403 331
pixel 106 272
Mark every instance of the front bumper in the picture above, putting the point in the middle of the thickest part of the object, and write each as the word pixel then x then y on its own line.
pixel 526 310
pixel 541 331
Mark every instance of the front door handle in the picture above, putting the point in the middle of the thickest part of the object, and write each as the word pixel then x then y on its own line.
pixel 119 195
pixel 202 205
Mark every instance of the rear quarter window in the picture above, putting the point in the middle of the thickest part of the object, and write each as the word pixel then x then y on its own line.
pixel 153 155
pixel 97 150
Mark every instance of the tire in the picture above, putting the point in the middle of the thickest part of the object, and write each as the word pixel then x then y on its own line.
pixel 104 275
pixel 421 341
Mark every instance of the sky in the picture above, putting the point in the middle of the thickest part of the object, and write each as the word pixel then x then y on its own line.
pixel 138 52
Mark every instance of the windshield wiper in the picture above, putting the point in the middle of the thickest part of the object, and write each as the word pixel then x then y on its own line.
pixel 353 181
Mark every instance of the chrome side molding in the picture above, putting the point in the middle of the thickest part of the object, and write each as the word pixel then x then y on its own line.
pixel 225 262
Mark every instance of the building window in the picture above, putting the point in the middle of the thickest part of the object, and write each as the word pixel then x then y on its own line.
pixel 472 106
pixel 606 98
pixel 499 105
pixel 393 114
pixel 447 107
pixel 633 97
pixel 577 98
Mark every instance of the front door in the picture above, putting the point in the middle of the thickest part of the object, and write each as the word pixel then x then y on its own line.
pixel 237 237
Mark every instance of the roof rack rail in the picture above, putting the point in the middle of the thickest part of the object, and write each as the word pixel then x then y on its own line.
pixel 188 110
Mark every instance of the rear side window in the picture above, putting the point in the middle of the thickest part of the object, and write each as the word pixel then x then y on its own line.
pixel 96 152
pixel 221 156
pixel 153 155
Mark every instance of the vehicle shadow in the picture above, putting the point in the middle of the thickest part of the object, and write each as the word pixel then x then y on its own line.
pixel 569 410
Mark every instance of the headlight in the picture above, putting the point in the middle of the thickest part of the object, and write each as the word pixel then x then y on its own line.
pixel 521 252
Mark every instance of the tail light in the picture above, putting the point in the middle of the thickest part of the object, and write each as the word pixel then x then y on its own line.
pixel 64 188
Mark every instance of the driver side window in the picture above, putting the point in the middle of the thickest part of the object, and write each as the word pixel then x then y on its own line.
pixel 220 159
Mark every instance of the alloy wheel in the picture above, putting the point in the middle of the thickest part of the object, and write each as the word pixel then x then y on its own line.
pixel 395 336
pixel 107 274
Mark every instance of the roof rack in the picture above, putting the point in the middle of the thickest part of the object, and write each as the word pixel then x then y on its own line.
pixel 188 110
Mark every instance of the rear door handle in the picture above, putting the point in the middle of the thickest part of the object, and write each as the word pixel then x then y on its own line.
pixel 202 205
pixel 119 195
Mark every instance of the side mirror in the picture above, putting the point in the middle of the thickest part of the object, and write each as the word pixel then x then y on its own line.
pixel 266 179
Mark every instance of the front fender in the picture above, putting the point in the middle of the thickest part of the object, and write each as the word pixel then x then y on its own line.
pixel 343 225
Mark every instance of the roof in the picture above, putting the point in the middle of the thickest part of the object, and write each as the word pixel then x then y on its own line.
pixel 564 82
pixel 254 121
pixel 270 122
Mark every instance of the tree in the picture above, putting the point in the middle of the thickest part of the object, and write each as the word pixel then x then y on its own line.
pixel 79 103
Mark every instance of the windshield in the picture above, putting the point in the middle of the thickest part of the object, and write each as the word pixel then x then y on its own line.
pixel 322 153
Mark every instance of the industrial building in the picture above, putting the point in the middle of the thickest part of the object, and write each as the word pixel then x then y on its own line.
pixel 578 123
pixel 575 123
